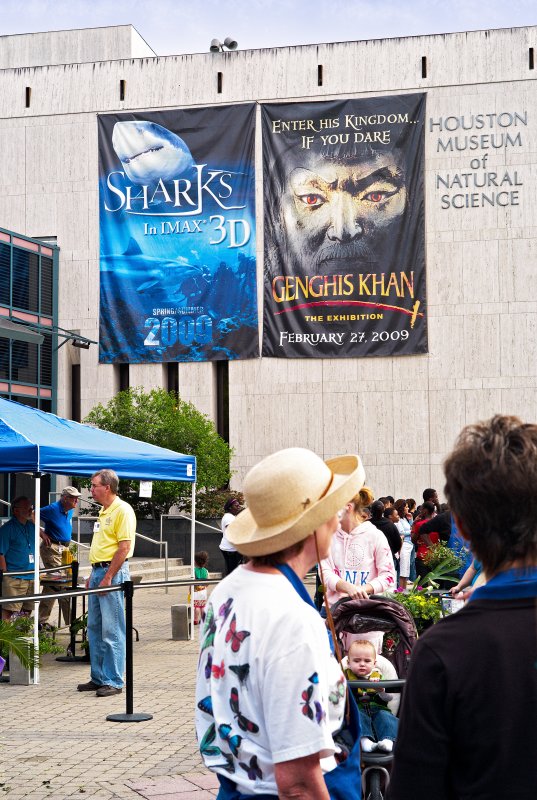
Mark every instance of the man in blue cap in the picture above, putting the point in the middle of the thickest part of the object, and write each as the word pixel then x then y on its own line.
pixel 57 522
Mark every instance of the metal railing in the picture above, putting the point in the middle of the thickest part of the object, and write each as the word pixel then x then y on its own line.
pixel 160 545
pixel 128 587
pixel 185 516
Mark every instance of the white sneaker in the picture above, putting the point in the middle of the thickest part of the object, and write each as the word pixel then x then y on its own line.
pixel 367 745
pixel 385 745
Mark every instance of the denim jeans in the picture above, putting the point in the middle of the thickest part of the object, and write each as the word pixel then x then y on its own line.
pixel 413 573
pixel 378 724
pixel 106 630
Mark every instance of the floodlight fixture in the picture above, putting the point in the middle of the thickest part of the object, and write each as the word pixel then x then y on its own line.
pixel 81 344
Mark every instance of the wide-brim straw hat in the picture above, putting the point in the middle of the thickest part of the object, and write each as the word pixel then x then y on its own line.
pixel 289 494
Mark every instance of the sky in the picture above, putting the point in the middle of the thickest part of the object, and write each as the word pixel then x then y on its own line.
pixel 187 26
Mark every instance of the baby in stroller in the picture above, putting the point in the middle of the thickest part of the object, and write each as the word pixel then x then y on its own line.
pixel 360 616
pixel 378 724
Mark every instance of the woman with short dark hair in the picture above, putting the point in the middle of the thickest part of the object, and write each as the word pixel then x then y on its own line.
pixel 471 693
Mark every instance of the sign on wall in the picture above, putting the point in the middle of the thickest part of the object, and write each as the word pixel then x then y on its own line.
pixel 344 271
pixel 177 235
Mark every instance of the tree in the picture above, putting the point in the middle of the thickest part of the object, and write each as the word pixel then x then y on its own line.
pixel 163 419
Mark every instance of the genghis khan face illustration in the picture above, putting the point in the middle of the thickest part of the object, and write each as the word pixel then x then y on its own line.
pixel 343 213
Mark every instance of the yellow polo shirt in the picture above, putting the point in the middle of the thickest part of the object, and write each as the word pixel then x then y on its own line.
pixel 115 524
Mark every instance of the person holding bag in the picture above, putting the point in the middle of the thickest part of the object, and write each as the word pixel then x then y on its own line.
pixel 270 695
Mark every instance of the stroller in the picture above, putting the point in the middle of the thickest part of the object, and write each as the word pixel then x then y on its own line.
pixel 378 614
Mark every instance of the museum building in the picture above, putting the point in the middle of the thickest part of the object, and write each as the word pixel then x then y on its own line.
pixel 401 409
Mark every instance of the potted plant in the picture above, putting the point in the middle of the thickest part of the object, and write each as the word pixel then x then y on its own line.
pixel 16 642
pixel 425 607
pixel 13 642
pixel 80 625
pixel 444 565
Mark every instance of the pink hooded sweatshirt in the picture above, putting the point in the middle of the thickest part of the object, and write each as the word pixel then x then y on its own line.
pixel 359 557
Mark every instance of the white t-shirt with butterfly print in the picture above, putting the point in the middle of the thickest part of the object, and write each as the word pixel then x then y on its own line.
pixel 268 688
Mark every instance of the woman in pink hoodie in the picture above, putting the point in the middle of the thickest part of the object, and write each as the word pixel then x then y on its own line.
pixel 360 561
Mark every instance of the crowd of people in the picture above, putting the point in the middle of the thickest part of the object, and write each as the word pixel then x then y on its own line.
pixel 274 718
pixel 270 691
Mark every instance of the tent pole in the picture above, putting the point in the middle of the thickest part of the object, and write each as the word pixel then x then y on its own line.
pixel 192 551
pixel 37 521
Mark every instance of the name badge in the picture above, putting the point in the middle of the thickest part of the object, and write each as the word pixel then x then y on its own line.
pixel 96 526
pixel 31 558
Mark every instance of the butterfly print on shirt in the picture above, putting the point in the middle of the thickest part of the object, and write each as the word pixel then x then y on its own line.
pixel 338 693
pixel 244 723
pixel 225 610
pixel 234 636
pixel 209 629
pixel 241 671
pixel 252 769
pixel 312 709
pixel 234 741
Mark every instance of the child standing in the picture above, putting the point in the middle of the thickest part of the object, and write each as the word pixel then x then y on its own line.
pixel 378 724
pixel 201 573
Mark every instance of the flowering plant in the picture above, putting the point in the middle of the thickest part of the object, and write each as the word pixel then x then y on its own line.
pixel 425 607
pixel 438 554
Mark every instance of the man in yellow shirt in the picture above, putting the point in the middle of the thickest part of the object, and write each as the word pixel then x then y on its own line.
pixel 111 546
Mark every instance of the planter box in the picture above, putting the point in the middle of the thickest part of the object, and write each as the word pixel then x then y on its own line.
pixel 19 675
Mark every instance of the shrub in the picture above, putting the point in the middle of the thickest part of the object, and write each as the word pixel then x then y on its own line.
pixel 163 419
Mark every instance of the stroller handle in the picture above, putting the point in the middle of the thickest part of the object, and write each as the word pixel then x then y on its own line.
pixel 396 685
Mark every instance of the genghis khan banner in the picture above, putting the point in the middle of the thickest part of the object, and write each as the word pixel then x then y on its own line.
pixel 344 228
pixel 177 235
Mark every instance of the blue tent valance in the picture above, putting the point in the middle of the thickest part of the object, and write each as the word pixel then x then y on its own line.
pixel 35 441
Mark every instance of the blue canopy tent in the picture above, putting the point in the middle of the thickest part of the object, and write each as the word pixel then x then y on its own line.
pixel 37 442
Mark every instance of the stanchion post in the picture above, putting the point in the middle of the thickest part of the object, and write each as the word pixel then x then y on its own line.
pixel 71 656
pixel 74 586
pixel 129 716
pixel 129 666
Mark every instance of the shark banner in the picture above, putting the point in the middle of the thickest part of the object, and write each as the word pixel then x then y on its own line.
pixel 177 235
pixel 344 228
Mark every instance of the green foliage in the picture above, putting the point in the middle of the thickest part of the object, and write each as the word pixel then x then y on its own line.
pixel 438 554
pixel 81 624
pixel 163 419
pixel 13 641
pixel 444 571
pixel 16 636
pixel 425 607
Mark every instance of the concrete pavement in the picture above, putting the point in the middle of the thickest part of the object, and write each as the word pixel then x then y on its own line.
pixel 55 742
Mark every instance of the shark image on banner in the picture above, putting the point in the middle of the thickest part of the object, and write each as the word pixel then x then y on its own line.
pixel 149 152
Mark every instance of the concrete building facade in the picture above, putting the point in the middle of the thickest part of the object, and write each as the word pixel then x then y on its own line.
pixel 402 413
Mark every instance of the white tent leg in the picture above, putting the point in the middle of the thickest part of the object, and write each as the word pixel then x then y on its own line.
pixel 192 551
pixel 37 540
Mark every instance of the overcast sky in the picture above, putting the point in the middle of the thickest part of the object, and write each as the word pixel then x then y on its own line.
pixel 187 26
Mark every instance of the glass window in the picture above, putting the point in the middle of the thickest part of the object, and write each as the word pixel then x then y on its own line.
pixel 5 274
pixel 4 358
pixel 46 285
pixel 21 269
pixel 46 360
pixel 24 362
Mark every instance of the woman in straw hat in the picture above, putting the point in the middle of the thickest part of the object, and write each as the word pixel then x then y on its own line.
pixel 269 693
